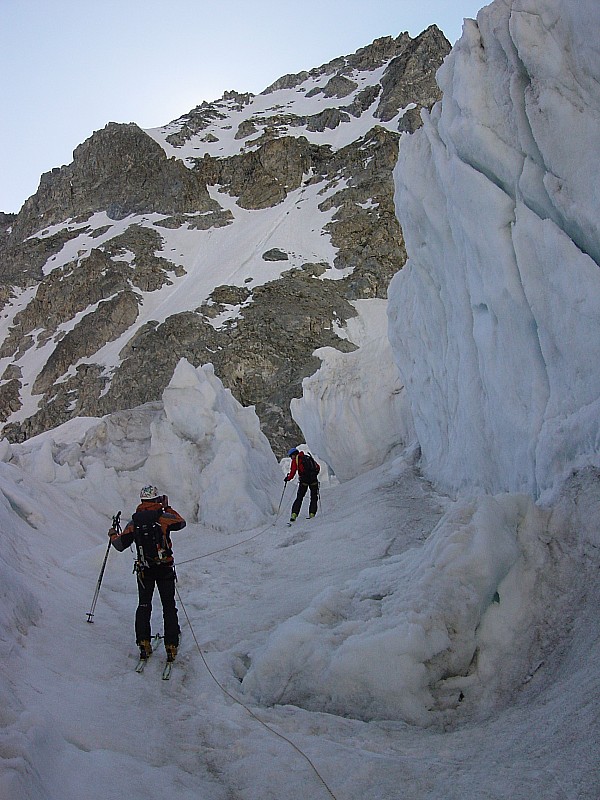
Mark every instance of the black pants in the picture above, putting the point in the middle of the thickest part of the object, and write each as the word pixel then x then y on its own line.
pixel 163 577
pixel 314 497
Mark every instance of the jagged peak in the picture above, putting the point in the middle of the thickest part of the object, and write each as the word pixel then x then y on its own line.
pixel 433 34
pixel 381 51
pixel 241 99
pixel 369 57
pixel 230 98
pixel 89 238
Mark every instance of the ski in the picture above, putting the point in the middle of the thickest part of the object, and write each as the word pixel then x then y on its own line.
pixel 141 665
pixel 166 673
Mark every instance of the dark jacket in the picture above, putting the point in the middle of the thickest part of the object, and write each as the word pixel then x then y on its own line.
pixel 169 520
pixel 299 466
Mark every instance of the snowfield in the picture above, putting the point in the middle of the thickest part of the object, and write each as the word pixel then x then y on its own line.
pixel 401 638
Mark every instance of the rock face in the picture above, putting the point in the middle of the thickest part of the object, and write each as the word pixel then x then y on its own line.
pixel 238 234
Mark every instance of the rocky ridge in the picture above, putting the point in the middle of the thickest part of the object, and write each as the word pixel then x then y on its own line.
pixel 239 234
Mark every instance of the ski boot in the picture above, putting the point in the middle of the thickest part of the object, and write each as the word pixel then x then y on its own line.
pixel 171 651
pixel 145 649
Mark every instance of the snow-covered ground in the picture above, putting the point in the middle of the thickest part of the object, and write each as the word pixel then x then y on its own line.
pixel 433 633
pixel 406 643
pixel 306 99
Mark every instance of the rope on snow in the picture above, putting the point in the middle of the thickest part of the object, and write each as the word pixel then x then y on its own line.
pixel 245 707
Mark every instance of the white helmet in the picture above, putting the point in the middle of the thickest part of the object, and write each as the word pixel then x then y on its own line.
pixel 149 493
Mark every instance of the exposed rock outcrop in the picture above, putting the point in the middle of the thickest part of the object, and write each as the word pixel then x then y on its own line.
pixel 239 235
pixel 120 170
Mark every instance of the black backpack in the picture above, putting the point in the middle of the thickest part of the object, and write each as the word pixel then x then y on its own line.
pixel 310 468
pixel 149 538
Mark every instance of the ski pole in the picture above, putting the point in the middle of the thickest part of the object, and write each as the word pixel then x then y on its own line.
pixel 117 526
pixel 280 502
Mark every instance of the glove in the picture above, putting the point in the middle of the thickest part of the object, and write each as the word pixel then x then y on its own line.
pixel 286 479
pixel 112 532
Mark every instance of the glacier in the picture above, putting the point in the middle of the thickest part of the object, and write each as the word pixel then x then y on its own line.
pixel 354 410
pixel 494 321
pixel 199 433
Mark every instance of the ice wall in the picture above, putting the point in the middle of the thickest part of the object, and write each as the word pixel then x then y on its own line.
pixel 495 320
pixel 405 639
pixel 354 411
pixel 199 446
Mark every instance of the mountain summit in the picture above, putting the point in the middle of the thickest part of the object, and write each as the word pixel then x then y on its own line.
pixel 239 234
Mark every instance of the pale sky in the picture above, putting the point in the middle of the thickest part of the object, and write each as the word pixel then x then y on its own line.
pixel 71 66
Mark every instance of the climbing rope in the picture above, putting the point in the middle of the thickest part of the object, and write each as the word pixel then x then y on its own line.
pixel 244 541
pixel 245 707
pixel 213 676
pixel 229 546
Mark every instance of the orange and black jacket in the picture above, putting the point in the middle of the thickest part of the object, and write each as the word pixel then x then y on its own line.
pixel 169 520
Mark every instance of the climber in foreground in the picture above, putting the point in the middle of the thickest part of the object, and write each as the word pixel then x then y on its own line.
pixel 149 529
pixel 308 471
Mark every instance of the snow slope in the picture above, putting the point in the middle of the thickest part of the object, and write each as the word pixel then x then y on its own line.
pixel 287 108
pixel 230 253
pixel 401 641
